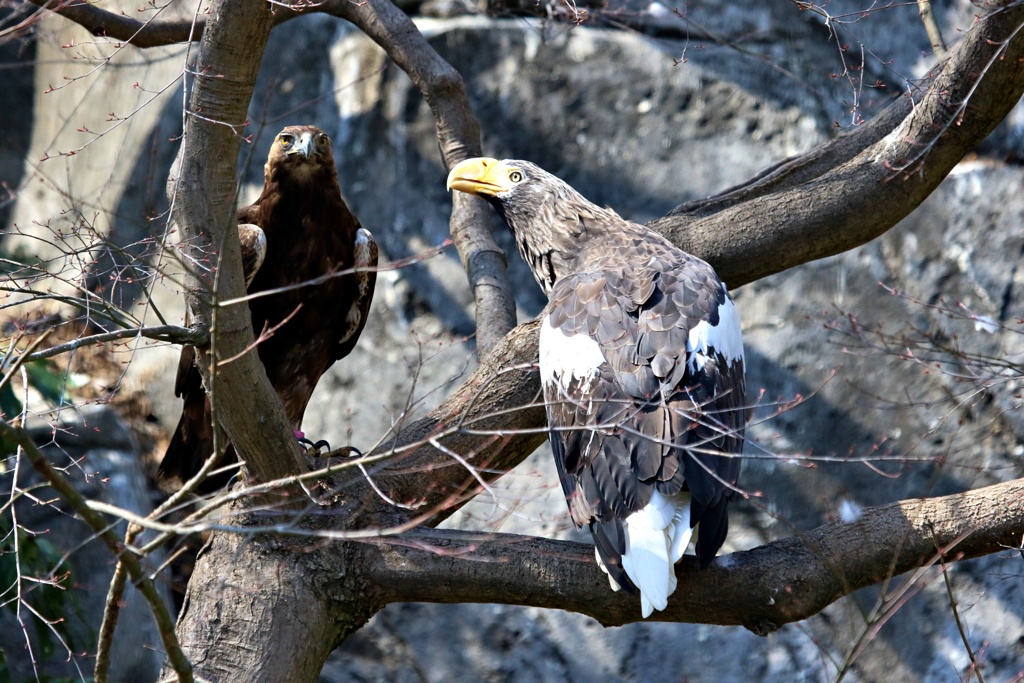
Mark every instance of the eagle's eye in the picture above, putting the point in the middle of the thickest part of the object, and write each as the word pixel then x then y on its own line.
pixel 516 176
pixel 324 142
pixel 286 141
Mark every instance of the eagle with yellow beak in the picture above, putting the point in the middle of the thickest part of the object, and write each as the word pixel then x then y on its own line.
pixel 641 363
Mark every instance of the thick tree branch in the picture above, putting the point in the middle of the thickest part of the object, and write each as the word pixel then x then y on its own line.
pixel 483 421
pixel 142 34
pixel 255 610
pixel 202 191
pixel 796 170
pixel 861 198
pixel 761 589
pixel 458 136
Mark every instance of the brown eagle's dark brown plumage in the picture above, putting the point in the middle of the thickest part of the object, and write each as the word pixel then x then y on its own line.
pixel 299 229
pixel 641 362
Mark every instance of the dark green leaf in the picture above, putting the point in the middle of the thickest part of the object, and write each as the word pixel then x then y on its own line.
pixel 10 406
pixel 45 379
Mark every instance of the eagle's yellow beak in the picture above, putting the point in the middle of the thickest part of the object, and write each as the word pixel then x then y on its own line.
pixel 480 176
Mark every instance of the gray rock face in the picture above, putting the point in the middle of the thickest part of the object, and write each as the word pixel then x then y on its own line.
pixel 630 125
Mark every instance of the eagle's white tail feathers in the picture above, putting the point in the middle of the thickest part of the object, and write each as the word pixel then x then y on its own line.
pixel 656 537
pixel 681 533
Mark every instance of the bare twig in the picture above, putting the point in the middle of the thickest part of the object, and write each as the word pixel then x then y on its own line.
pixel 111 612
pixel 975 666
pixel 77 502
pixel 166 333
pixel 10 366
pixel 924 8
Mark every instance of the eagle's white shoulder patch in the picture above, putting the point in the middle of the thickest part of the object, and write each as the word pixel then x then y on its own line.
pixel 725 338
pixel 564 357
pixel 364 258
pixel 362 240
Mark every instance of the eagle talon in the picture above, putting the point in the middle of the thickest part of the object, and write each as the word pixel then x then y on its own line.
pixel 343 452
pixel 314 449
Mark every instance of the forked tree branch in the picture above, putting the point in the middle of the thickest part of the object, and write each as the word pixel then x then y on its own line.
pixel 761 589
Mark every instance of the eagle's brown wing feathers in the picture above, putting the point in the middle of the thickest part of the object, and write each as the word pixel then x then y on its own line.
pixel 193 436
pixel 649 420
pixel 254 249
pixel 366 257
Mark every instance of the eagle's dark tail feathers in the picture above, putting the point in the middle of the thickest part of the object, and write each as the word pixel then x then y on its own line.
pixel 190 446
pixel 714 526
pixel 610 539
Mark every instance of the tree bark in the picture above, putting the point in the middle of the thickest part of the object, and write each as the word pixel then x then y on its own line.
pixel 259 610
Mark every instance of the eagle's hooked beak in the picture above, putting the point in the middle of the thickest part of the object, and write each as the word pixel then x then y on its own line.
pixel 480 176
pixel 305 146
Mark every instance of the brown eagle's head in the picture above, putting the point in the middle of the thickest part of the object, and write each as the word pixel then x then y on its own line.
pixel 300 151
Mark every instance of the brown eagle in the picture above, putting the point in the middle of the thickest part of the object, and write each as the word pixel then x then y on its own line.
pixel 641 362
pixel 299 229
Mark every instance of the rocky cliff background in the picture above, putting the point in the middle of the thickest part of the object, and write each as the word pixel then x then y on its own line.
pixel 674 104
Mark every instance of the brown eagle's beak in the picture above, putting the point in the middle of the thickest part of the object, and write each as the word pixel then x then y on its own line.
pixel 305 145
pixel 480 176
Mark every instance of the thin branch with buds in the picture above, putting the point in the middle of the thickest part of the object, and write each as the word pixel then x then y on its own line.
pixel 165 623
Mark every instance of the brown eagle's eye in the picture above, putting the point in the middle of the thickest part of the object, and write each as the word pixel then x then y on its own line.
pixel 324 142
pixel 286 140
pixel 515 176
